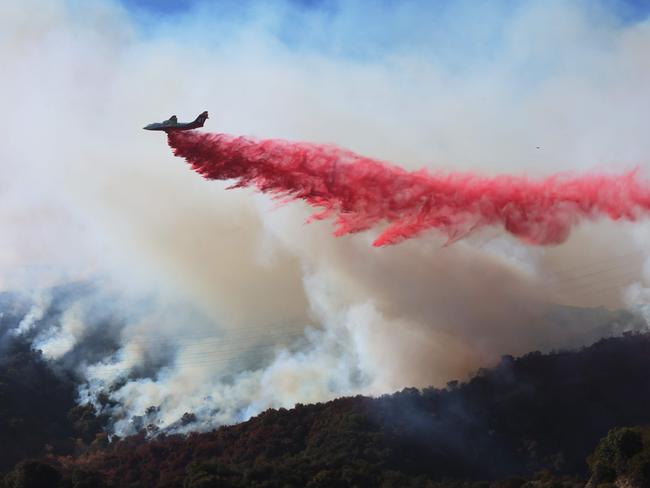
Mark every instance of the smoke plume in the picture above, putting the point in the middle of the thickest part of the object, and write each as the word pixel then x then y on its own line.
pixel 362 192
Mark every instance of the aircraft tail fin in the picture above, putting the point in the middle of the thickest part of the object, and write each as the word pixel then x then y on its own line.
pixel 201 118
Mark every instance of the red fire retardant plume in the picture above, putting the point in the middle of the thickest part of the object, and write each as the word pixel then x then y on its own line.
pixel 360 192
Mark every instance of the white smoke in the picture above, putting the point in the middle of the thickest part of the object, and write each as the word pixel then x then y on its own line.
pixel 56 342
pixel 217 303
pixel 40 301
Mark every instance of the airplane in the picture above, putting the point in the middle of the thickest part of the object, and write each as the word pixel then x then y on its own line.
pixel 172 124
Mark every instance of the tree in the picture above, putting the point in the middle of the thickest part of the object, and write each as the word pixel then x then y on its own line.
pixel 32 474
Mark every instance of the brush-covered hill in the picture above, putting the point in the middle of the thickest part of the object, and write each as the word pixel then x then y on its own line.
pixel 38 411
pixel 536 412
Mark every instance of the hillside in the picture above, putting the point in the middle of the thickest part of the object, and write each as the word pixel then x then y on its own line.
pixel 539 411
pixel 38 413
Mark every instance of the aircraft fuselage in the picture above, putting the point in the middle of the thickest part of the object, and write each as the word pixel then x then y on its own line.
pixel 172 125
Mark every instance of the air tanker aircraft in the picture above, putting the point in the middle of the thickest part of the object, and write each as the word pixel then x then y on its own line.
pixel 172 124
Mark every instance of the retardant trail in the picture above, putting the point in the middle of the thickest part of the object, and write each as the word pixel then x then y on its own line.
pixel 361 192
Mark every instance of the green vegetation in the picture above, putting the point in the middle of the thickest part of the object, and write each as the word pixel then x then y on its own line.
pixel 38 414
pixel 623 457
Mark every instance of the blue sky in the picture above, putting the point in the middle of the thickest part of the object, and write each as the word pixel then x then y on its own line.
pixel 627 10
pixel 631 10
pixel 457 33
pixel 362 28
pixel 172 7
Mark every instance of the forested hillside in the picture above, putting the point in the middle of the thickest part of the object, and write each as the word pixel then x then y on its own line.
pixel 534 413
pixel 38 413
